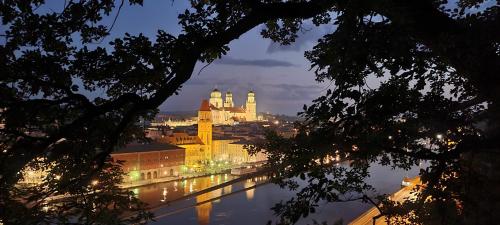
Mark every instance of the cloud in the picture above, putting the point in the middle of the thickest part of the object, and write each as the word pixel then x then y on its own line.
pixel 255 62
pixel 293 92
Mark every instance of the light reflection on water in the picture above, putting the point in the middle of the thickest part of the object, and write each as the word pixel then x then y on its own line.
pixel 252 206
pixel 156 194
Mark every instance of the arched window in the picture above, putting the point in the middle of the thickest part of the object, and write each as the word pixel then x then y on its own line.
pixel 171 172
pixel 155 175
pixel 149 175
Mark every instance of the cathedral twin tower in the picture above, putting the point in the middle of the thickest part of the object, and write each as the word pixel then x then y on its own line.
pixel 225 112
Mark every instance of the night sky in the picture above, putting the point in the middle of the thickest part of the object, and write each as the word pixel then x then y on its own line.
pixel 278 74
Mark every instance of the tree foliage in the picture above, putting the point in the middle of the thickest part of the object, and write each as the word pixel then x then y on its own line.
pixel 410 80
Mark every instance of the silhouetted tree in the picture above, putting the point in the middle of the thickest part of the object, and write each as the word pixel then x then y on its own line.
pixel 411 81
pixel 437 63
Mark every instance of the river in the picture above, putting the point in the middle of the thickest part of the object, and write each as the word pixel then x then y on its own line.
pixel 249 201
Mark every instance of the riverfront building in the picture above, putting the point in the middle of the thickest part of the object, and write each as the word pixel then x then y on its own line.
pixel 150 161
pixel 173 153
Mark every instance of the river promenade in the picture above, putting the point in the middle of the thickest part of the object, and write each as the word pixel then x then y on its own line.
pixel 367 218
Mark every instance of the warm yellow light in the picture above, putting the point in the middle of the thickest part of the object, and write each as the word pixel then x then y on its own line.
pixel 95 182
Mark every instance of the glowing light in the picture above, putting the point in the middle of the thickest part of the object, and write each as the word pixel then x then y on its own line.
pixel 95 182
pixel 251 191
pixel 164 194
pixel 58 177
pixel 134 175
pixel 439 136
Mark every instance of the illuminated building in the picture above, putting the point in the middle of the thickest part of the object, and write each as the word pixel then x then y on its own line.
pixel 194 147
pixel 225 113
pixel 204 149
pixel 150 161
pixel 175 123
pixel 205 128
pixel 251 107
pixel 230 149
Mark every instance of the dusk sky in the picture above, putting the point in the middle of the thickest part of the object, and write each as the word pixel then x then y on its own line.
pixel 279 75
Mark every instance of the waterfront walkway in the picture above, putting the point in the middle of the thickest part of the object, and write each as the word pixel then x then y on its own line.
pixel 404 193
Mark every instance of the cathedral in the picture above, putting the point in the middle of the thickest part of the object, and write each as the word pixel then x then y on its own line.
pixel 205 148
pixel 226 113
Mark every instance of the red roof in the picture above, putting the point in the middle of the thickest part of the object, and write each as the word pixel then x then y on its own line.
pixel 146 147
pixel 205 106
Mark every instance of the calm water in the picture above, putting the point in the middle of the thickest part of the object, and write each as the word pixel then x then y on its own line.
pixel 235 205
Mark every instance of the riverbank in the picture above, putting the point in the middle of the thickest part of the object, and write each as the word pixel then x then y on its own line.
pixel 140 183
pixel 373 217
